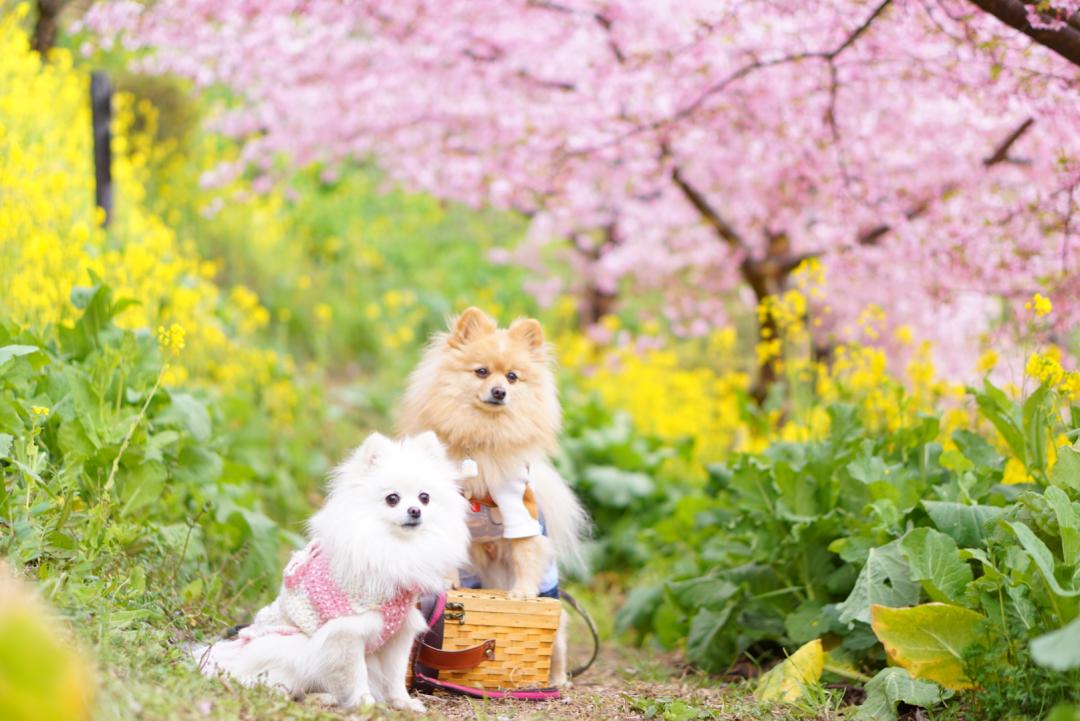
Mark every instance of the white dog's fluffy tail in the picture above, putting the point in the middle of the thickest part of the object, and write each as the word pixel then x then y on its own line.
pixel 566 521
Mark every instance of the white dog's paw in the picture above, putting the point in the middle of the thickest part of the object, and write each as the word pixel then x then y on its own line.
pixel 360 700
pixel 408 704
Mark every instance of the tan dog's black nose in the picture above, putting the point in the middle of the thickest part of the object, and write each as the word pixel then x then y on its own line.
pixel 498 393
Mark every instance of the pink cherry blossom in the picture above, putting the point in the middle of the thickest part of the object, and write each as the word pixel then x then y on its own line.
pixel 925 151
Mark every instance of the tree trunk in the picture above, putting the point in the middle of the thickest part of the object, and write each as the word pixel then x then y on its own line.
pixel 48 23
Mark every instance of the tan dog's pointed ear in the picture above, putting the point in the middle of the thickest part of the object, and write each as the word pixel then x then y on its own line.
pixel 528 330
pixel 471 324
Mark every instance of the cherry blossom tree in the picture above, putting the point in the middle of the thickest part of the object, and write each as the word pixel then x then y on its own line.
pixel 927 152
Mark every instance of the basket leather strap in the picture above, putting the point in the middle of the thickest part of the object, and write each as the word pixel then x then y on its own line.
pixel 467 658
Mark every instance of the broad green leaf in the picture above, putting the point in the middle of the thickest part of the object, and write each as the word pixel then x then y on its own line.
pixel 1034 415
pixel 708 643
pixel 884 580
pixel 955 461
pixel 702 592
pixel 976 448
pixel 142 485
pixel 617 487
pixel 1066 473
pixel 997 408
pixel 1060 649
pixel 965 524
pixel 5 445
pixel 788 680
pixel 14 351
pixel 1042 556
pixel 935 561
pixel 188 413
pixel 867 469
pixel 895 685
pixel 929 640
pixel 1068 523
pixel 639 608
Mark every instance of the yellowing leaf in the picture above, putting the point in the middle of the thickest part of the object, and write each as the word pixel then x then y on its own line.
pixel 787 681
pixel 42 678
pixel 929 640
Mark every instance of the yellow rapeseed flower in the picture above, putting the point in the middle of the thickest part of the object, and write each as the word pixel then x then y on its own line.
pixel 1015 472
pixel 987 361
pixel 323 313
pixel 1040 304
pixel 171 339
pixel 39 410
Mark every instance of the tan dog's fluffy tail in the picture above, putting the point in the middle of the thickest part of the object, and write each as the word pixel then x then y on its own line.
pixel 566 520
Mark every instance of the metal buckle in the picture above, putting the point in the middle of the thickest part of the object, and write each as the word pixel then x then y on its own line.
pixel 455 612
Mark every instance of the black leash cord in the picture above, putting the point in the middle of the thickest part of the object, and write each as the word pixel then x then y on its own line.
pixel 592 629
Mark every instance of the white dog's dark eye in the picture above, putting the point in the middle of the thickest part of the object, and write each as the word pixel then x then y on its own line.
pixel 512 377
pixel 392 499
pixel 424 498
pixel 482 372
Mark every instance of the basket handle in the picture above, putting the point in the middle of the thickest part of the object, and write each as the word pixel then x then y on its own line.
pixel 456 660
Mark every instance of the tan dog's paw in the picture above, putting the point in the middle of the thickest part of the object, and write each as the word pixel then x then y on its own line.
pixel 521 592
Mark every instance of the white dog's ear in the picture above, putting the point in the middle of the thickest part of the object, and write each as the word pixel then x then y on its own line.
pixel 472 323
pixel 373 449
pixel 430 443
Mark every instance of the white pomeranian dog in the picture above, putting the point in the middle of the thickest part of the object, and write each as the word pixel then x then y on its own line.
pixel 393 527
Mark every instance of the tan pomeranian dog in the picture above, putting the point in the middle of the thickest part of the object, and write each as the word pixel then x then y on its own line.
pixel 489 393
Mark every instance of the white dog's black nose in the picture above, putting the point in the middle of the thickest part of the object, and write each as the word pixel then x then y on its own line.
pixel 413 512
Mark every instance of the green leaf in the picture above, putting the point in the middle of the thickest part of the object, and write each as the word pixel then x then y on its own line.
pixel 6 441
pixel 617 487
pixel 83 337
pixel 14 351
pixel 703 592
pixel 788 680
pixel 1042 556
pixel 1034 414
pixel 884 580
pixel 142 485
pixel 187 412
pixel 955 461
pixel 929 640
pixel 997 408
pixel 1068 523
pixel 1058 650
pixel 965 524
pixel 1066 473
pixel 976 448
pixel 707 644
pixel 895 685
pixel 935 561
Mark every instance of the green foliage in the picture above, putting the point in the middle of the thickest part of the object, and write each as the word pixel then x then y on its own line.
pixel 892 686
pixel 126 498
pixel 803 540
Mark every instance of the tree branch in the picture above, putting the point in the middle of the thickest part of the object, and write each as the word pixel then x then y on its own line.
pixel 724 229
pixel 1000 155
pixel 1065 41
pixel 1001 152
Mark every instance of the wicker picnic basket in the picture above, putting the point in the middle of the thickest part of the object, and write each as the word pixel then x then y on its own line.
pixel 492 642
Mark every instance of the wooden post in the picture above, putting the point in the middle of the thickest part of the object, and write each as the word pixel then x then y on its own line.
pixel 101 106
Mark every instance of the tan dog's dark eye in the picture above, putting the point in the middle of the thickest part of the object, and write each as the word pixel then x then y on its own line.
pixel 424 498
pixel 482 372
pixel 392 499
pixel 512 377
